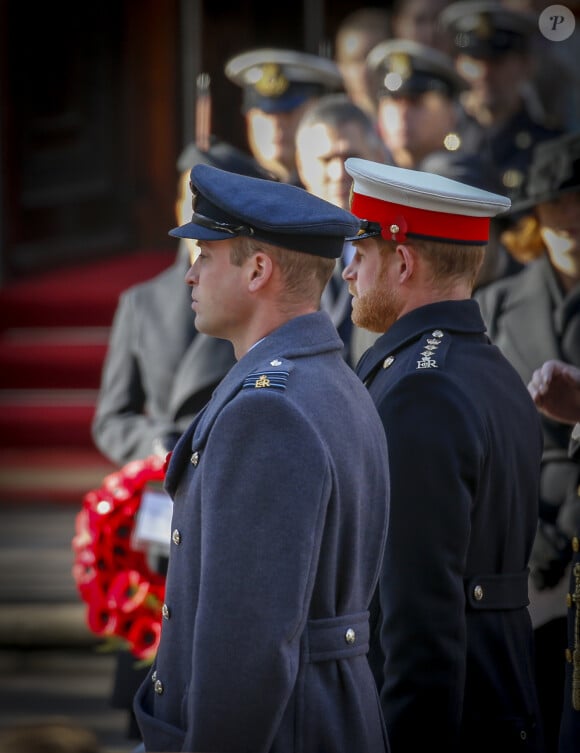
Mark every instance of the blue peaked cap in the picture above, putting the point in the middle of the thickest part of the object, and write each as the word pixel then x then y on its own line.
pixel 227 205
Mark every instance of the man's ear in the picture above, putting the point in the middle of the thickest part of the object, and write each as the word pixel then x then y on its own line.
pixel 406 258
pixel 259 271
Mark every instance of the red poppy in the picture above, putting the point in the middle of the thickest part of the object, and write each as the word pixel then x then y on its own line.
pixel 122 594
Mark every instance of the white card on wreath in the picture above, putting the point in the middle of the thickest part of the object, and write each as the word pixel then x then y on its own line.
pixel 153 523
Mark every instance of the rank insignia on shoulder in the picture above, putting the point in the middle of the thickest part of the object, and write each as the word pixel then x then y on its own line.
pixel 429 349
pixel 273 379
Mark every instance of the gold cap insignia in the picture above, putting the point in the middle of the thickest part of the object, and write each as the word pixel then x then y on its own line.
pixel 484 27
pixel 400 62
pixel 272 82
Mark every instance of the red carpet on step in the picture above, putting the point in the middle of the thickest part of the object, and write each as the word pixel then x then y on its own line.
pixel 54 331
pixel 84 295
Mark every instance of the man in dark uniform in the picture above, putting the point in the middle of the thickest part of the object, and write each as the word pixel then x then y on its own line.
pixel 555 387
pixel 278 85
pixel 159 371
pixel 453 646
pixel 281 497
pixel 502 119
pixel 417 90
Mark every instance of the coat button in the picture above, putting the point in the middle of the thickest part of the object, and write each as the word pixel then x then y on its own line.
pixel 158 687
pixel 176 537
pixel 165 611
pixel 154 676
pixel 575 544
pixel 350 636
pixel 478 593
pixel 194 460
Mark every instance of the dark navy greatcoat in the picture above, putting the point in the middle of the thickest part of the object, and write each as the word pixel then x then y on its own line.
pixel 464 451
pixel 280 490
pixel 159 371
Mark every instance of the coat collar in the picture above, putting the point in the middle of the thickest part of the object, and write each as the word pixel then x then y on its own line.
pixel 450 316
pixel 302 336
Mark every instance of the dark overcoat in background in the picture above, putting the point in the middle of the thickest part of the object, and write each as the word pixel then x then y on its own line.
pixel 159 371
pixel 453 654
pixel 280 492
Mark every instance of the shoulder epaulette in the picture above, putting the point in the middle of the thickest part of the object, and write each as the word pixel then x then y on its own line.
pixel 273 376
pixel 430 346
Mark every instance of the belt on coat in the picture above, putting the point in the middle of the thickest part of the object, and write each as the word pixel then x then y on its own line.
pixel 340 637
pixel 497 591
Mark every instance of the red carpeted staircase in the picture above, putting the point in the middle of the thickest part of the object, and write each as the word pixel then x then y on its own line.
pixel 54 332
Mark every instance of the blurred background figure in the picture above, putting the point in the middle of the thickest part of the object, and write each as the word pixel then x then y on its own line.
pixel 534 316
pixel 504 119
pixel 278 85
pixel 555 388
pixel 355 37
pixel 418 20
pixel 474 171
pixel 417 90
pixel 332 130
pixel 159 371
pixel 556 74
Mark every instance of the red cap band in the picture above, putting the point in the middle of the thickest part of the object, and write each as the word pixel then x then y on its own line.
pixel 398 220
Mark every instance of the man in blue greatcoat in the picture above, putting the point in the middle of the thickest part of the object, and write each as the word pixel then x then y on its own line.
pixel 281 497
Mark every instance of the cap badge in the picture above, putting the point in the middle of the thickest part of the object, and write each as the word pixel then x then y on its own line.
pixel 397 230
pixel 512 178
pixel 272 82
pixel 452 142
pixel 400 62
pixel 484 28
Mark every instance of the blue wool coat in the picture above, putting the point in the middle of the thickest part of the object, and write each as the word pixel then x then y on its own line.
pixel 453 652
pixel 281 493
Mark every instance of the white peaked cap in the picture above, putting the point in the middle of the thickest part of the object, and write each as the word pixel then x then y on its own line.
pixel 421 204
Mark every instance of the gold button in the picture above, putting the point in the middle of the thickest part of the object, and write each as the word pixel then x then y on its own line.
pixel 576 544
pixel 569 600
pixel 478 593
pixel 176 537
pixel 165 611
pixel 194 460
pixel 350 636
pixel 158 687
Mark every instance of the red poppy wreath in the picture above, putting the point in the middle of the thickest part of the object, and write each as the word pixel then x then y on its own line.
pixel 124 596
